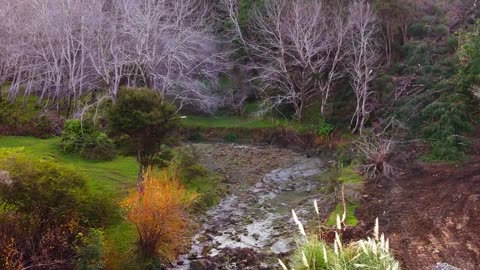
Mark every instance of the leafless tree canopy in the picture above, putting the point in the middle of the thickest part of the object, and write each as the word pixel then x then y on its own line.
pixel 363 59
pixel 296 51
pixel 300 49
pixel 64 49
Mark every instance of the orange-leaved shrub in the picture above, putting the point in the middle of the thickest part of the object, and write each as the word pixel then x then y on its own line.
pixel 159 210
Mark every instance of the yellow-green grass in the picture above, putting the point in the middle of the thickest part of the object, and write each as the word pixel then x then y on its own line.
pixel 350 219
pixel 348 175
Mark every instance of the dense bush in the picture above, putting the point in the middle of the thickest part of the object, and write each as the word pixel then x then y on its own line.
pixel 83 139
pixel 42 187
pixel 31 242
pixel 48 189
pixel 45 208
pixel 447 121
pixel 90 250
pixel 21 120
pixel 231 137
pixel 439 110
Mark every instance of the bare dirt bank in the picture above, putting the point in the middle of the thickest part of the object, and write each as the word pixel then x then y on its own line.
pixel 431 214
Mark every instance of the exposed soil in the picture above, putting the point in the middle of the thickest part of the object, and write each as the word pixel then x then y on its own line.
pixel 430 214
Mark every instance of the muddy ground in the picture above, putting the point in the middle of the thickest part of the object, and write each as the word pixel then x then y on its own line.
pixel 431 214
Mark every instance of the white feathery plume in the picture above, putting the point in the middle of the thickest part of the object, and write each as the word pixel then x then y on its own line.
pixel 338 241
pixel 339 223
pixel 325 257
pixel 284 267
pixel 300 226
pixel 305 261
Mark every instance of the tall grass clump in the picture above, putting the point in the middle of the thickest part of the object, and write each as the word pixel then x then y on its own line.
pixel 315 254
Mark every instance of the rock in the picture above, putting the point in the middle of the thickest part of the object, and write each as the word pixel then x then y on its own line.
pixel 202 239
pixel 444 266
pixel 192 256
pixel 206 250
pixel 5 178
pixel 203 264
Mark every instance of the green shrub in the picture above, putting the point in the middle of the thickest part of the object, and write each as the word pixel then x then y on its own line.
pixel 98 146
pixel 418 30
pixel 441 112
pixel 195 136
pixel 21 120
pixel 90 250
pixel 43 187
pixel 47 189
pixel 324 129
pixel 84 140
pixel 46 209
pixel 319 127
pixel 447 121
pixel 72 136
pixel 231 137
pixel 440 30
pixel 418 53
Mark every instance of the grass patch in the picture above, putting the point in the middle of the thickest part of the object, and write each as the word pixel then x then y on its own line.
pixel 114 177
pixel 350 220
pixel 234 122
pixel 348 175
pixel 229 122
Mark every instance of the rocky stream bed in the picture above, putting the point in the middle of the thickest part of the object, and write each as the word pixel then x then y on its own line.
pixel 252 226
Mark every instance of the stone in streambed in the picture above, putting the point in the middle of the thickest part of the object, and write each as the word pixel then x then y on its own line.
pixel 444 266
pixel 203 264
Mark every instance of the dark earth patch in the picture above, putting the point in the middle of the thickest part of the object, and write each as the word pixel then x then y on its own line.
pixel 430 214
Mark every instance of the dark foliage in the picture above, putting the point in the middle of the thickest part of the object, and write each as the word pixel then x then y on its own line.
pixel 146 124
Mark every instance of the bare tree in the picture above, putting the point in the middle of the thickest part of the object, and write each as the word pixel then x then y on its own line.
pixel 363 60
pixel 176 51
pixel 296 49
pixel 65 49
